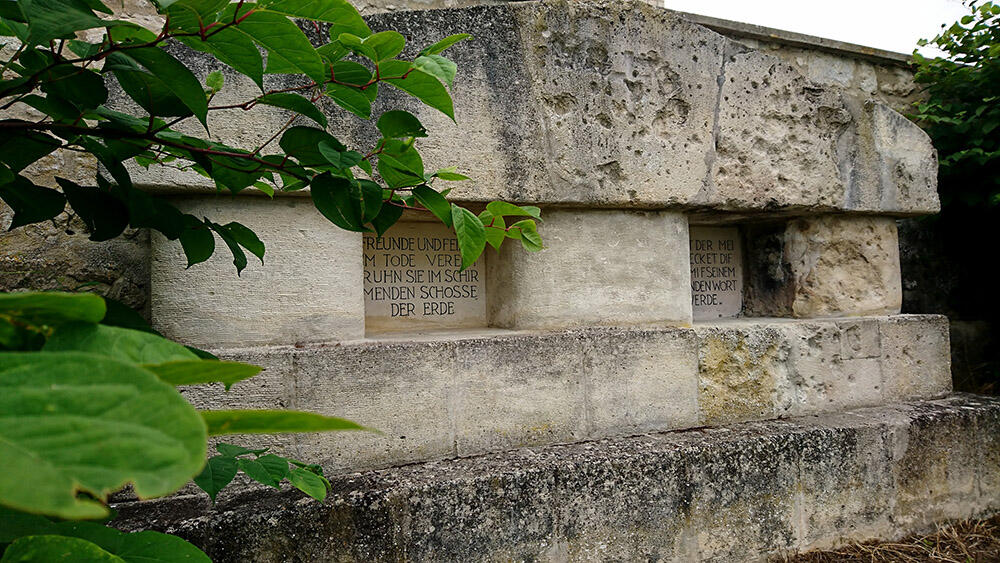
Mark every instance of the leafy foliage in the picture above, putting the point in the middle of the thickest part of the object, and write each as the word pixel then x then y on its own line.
pixel 65 78
pixel 264 468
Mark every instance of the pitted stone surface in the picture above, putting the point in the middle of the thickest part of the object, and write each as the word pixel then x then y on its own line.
pixel 737 493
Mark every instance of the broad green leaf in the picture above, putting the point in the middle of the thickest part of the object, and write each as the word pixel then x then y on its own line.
pixel 438 67
pixel 198 243
pixel 181 82
pixel 471 234
pixel 526 231
pixel 52 308
pixel 385 44
pixel 502 208
pixel 495 229
pixel 256 471
pixel 386 218
pixel 15 523
pixel 308 482
pixel 121 315
pixel 339 158
pixel 215 81
pixel 82 87
pixel 435 203
pixel 152 93
pixel 296 103
pixel 19 149
pixel 247 239
pixel 277 466
pixel 54 19
pixel 44 548
pixel 282 39
pixel 444 44
pixel 357 46
pixel 271 422
pixel 400 164
pixel 31 203
pixel 344 17
pixel 218 472
pixel 193 15
pixel 239 257
pixel 135 346
pixel 192 372
pixel 397 124
pixel 128 32
pixel 332 196
pixel 351 99
pixel 89 401
pixel 235 49
pixel 418 84
pixel 104 214
pixel 303 143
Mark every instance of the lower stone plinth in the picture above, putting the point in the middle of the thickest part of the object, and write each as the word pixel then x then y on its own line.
pixel 737 493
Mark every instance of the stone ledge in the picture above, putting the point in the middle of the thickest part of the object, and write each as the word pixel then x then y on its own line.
pixel 737 493
pixel 470 393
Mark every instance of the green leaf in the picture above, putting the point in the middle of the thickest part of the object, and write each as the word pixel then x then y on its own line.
pixel 339 158
pixel 275 465
pixel 444 44
pixel 303 143
pixel 308 482
pixel 438 67
pixel 502 208
pixel 54 19
pixel 21 148
pixel 198 243
pixel 495 229
pixel 134 346
pixel 52 308
pixel 192 372
pixel 83 88
pixel 282 39
pixel 31 203
pixel 104 214
pixel 296 103
pixel 43 548
pixel 271 422
pixel 215 81
pixel 386 218
pixel 121 315
pixel 256 471
pixel 418 84
pixel 332 196
pixel 239 257
pixel 234 49
pixel 397 124
pixel 58 412
pixel 527 233
pixel 449 175
pixel 145 88
pixel 400 164
pixel 435 203
pixel 247 239
pixel 351 99
pixel 344 17
pixel 181 82
pixel 385 44
pixel 471 234
pixel 357 46
pixel 218 472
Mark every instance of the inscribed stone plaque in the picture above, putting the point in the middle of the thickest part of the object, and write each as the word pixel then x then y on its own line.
pixel 716 272
pixel 413 281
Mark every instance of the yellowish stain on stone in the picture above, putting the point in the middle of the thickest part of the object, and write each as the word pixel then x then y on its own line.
pixel 738 377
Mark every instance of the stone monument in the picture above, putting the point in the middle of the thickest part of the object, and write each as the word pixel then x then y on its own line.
pixel 706 362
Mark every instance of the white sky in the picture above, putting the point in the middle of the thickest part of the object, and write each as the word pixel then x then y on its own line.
pixel 893 25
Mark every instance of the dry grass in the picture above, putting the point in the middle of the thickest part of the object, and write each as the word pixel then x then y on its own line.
pixel 969 541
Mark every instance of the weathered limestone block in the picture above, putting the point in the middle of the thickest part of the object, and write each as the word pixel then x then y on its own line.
pixel 309 290
pixel 824 266
pixel 600 267
pixel 744 492
pixel 753 370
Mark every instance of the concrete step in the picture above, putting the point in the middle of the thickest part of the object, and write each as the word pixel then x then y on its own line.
pixel 734 493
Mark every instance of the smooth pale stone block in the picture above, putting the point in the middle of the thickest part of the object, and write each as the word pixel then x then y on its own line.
pixel 599 267
pixel 412 281
pixel 307 290
pixel 716 272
